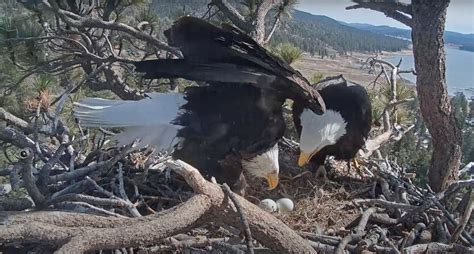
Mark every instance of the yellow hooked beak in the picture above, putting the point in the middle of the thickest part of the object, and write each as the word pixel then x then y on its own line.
pixel 304 158
pixel 272 179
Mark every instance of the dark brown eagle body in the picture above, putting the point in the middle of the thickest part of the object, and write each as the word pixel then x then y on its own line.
pixel 224 124
pixel 238 115
pixel 352 102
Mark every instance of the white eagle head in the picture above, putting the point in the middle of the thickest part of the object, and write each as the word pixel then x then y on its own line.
pixel 265 166
pixel 319 131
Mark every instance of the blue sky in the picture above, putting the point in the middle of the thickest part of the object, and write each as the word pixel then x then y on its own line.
pixel 460 14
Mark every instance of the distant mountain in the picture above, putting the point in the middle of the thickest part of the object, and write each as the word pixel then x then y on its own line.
pixel 313 33
pixel 318 34
pixel 464 41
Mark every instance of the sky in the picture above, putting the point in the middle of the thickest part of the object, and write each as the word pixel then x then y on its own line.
pixel 460 16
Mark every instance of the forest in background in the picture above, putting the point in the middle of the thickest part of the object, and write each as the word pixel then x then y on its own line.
pixel 42 77
pixel 412 152
pixel 318 35
pixel 463 41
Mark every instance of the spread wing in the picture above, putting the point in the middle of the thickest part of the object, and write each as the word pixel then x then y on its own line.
pixel 210 52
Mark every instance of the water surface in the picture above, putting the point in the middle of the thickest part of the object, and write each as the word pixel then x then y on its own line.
pixel 459 70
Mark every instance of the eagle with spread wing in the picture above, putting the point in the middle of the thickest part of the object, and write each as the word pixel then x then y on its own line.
pixel 231 124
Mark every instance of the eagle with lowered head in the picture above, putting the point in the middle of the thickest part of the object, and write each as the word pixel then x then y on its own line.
pixel 342 130
pixel 229 125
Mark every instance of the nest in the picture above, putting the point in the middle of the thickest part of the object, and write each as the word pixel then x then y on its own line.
pixel 129 201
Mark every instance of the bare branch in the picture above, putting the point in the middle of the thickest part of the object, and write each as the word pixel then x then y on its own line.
pixel 262 11
pixel 90 208
pixel 182 218
pixel 454 187
pixel 26 157
pixel 16 121
pixel 374 144
pixel 83 22
pixel 389 134
pixel 15 204
pixel 233 15
pixel 260 222
pixel 274 27
pixel 107 202
pixel 131 208
pixel 465 218
pixel 384 203
pixel 358 232
pixel 393 4
pixel 245 224
pixel 393 9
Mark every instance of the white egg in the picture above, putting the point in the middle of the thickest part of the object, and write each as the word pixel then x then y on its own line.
pixel 285 205
pixel 268 205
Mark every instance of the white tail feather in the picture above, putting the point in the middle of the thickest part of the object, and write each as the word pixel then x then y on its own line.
pixel 160 108
pixel 147 120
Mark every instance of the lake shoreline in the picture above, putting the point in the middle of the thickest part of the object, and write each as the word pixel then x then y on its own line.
pixel 459 63
pixel 347 65
pixel 459 66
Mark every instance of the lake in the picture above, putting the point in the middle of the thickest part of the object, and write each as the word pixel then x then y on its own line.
pixel 459 70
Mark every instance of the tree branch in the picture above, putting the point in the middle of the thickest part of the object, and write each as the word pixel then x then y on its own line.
pixel 183 217
pixel 283 239
pixel 83 22
pixel 274 27
pixel 83 233
pixel 26 156
pixel 375 143
pixel 465 218
pixel 262 11
pixel 233 15
pixel 16 121
pixel 393 9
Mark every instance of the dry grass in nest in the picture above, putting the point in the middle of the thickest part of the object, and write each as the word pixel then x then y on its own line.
pixel 319 204
pixel 42 100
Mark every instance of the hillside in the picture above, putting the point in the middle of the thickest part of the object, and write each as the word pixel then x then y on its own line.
pixel 315 34
pixel 464 41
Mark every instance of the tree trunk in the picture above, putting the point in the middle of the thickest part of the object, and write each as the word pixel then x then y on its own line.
pixel 274 27
pixel 262 12
pixel 429 17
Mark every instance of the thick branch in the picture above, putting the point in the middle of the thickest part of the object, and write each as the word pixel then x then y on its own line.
pixel 183 217
pixel 29 179
pixel 16 121
pixel 374 144
pixel 83 22
pixel 465 218
pixel 262 12
pixel 393 9
pixel 233 15
pixel 436 248
pixel 147 230
pixel 65 219
pixel 394 5
pixel 268 230
pixel 16 138
pixel 274 27
pixel 358 232
pixel 115 83
pixel 385 204
pixel 15 204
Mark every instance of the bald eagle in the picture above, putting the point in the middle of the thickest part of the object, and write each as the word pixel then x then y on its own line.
pixel 232 123
pixel 342 130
